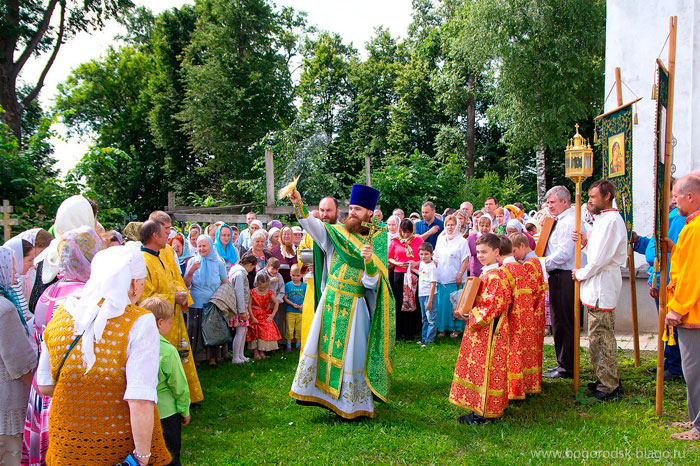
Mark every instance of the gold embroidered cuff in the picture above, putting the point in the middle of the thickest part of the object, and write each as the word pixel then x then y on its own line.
pixel 300 211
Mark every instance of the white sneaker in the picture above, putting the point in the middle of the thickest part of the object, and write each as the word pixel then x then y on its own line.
pixel 237 361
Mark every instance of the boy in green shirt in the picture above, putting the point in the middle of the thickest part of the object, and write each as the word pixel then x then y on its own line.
pixel 173 391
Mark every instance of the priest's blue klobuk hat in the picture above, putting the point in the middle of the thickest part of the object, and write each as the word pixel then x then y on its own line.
pixel 364 196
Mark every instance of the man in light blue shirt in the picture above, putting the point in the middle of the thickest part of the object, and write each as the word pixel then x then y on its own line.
pixel 430 227
pixel 243 241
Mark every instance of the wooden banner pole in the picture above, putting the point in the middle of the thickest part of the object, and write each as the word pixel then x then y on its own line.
pixel 577 290
pixel 668 161
pixel 630 253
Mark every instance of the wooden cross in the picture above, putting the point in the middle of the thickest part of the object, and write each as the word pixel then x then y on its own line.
pixel 8 222
pixel 374 228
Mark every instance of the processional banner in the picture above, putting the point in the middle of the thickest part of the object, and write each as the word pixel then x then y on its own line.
pixel 617 159
pixel 660 153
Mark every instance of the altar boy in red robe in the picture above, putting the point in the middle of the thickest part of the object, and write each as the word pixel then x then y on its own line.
pixel 536 274
pixel 519 317
pixel 480 382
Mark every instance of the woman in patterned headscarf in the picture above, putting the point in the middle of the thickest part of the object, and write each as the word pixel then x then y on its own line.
pixel 131 231
pixel 76 249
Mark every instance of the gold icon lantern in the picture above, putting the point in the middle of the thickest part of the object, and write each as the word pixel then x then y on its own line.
pixel 578 158
pixel 578 167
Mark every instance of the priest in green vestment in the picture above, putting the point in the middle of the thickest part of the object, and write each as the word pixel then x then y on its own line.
pixel 347 358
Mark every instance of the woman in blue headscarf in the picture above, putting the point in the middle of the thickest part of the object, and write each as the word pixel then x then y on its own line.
pixel 224 247
pixel 205 273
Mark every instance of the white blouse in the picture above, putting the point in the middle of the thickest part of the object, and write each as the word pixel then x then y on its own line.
pixel 449 256
pixel 142 361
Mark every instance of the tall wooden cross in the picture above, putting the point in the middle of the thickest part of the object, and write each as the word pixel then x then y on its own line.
pixel 7 222
pixel 374 228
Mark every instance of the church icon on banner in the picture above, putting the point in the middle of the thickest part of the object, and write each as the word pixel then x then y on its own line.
pixel 616 155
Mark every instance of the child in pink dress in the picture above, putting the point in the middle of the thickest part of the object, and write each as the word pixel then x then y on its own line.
pixel 262 307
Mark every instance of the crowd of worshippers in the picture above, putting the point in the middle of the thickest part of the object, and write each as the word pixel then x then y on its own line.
pixel 99 328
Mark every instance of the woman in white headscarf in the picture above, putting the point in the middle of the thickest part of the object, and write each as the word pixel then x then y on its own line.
pixel 23 257
pixel 258 240
pixel 103 336
pixel 17 363
pixel 392 227
pixel 514 226
pixel 452 259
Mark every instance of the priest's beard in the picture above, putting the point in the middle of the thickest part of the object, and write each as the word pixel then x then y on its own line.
pixel 353 224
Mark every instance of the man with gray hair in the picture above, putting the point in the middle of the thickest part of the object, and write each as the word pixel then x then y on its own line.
pixel 683 308
pixel 467 210
pixel 399 213
pixel 559 262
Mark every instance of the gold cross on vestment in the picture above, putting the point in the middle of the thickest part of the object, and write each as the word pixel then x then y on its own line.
pixel 374 227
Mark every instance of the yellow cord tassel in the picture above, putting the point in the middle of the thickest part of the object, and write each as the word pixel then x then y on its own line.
pixel 668 336
pixel 654 92
pixel 636 118
pixel 671 339
pixel 595 134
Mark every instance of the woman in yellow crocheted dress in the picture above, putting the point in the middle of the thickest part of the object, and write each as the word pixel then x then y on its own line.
pixel 100 364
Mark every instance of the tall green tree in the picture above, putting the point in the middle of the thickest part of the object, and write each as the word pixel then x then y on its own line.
pixel 34 27
pixel 417 115
pixel 365 128
pixel 325 87
pixel 171 36
pixel 546 59
pixel 238 84
pixel 108 98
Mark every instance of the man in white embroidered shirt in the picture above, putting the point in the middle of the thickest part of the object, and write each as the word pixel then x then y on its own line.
pixel 601 281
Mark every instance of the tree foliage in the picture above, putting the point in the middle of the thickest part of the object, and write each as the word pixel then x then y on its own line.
pixel 31 28
pixel 238 83
pixel 457 109
pixel 28 177
pixel 109 99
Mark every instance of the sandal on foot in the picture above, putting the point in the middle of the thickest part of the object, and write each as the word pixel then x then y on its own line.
pixel 454 335
pixel 683 425
pixel 686 436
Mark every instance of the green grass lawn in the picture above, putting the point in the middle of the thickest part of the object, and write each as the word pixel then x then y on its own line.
pixel 247 417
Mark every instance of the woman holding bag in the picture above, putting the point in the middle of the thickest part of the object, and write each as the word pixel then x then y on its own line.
pixel 452 259
pixel 205 273
pixel 403 255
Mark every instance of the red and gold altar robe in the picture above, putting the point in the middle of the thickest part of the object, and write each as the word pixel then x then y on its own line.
pixel 520 319
pixel 480 381
pixel 532 356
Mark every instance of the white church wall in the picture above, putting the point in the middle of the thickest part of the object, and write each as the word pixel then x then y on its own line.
pixel 636 32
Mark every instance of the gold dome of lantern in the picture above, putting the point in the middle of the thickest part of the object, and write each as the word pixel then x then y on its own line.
pixel 578 158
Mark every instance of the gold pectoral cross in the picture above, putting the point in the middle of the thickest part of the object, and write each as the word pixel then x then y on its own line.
pixel 374 228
